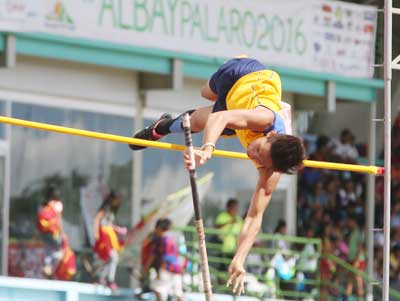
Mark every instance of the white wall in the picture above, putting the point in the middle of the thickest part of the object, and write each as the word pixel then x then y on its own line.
pixel 178 101
pixel 354 116
pixel 70 80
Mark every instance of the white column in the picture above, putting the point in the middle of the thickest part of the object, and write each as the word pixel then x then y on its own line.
pixel 137 166
pixel 371 200
pixel 387 143
pixel 6 198
pixel 330 96
pixel 177 74
pixel 9 58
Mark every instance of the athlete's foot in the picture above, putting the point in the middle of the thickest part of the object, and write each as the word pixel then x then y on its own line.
pixel 149 133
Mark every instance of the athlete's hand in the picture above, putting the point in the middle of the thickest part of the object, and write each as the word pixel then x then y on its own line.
pixel 236 277
pixel 201 157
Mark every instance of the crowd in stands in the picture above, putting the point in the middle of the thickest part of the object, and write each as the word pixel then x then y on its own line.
pixel 333 205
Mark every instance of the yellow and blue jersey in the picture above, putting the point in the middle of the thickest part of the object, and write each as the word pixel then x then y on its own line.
pixel 244 83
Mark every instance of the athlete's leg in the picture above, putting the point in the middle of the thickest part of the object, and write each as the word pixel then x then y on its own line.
pixel 166 125
pixel 198 118
pixel 207 93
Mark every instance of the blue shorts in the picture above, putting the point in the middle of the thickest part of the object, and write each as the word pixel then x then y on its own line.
pixel 226 76
pixel 222 81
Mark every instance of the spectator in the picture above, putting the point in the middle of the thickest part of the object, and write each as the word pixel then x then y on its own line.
pixel 395 235
pixel 347 195
pixel 66 268
pixel 308 259
pixel 281 245
pixel 318 197
pixel 284 264
pixel 355 238
pixel 395 210
pixel 340 246
pixel 396 150
pixel 230 224
pixel 165 260
pixel 379 204
pixel 108 244
pixel 147 254
pixel 309 177
pixel 332 207
pixel 345 149
pixel 395 262
pixel 328 267
pixel 358 209
pixel 356 256
pixel 324 149
pixel 317 217
pixel 49 225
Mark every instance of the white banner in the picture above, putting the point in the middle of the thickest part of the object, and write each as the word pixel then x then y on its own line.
pixel 316 35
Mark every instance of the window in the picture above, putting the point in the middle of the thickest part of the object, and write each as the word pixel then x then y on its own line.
pixel 40 159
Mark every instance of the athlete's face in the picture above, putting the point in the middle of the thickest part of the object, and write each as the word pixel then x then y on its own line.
pixel 260 152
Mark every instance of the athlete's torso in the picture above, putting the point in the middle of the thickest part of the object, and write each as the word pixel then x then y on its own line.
pixel 229 73
pixel 245 84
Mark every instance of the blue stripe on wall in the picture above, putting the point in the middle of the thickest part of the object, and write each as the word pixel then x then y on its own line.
pixel 195 66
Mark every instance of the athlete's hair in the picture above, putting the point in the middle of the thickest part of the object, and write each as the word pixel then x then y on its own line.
pixel 287 153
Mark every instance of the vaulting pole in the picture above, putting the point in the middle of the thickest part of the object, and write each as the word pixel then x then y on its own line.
pixel 197 213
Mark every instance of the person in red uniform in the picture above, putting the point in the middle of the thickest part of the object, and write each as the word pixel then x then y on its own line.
pixel 49 225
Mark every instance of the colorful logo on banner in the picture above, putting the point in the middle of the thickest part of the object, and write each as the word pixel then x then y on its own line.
pixel 58 15
pixel 344 33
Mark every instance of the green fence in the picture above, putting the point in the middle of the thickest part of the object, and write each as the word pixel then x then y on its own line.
pixel 278 266
pixel 337 287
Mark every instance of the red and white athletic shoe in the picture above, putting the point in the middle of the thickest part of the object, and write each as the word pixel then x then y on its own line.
pixel 149 133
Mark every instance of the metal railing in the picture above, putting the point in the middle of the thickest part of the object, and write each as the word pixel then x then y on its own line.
pixel 272 272
pixel 348 273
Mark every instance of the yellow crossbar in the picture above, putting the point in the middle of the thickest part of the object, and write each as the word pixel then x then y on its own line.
pixel 175 147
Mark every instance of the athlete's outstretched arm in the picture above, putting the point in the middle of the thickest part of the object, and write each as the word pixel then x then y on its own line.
pixel 257 120
pixel 266 185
